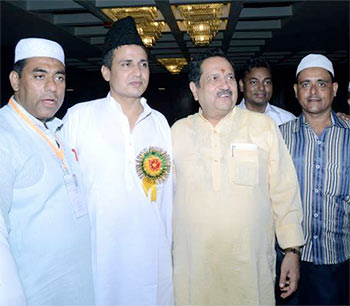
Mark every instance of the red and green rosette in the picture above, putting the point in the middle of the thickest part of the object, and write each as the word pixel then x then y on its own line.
pixel 153 167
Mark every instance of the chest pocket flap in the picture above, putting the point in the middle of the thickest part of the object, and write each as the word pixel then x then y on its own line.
pixel 244 164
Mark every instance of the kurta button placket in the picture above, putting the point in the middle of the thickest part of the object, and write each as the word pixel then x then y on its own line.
pixel 215 148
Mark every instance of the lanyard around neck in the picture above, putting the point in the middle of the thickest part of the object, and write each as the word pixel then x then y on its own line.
pixel 58 151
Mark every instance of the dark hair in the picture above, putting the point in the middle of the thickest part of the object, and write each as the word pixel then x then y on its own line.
pixel 109 55
pixel 108 58
pixel 18 66
pixel 254 62
pixel 196 64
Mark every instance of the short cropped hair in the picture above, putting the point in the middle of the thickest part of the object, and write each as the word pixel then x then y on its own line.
pixel 18 66
pixel 255 62
pixel 196 64
pixel 108 58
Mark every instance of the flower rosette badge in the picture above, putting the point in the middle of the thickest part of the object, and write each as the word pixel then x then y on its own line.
pixel 152 167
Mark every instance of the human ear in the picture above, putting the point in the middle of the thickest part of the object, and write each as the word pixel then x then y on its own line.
pixel 296 90
pixel 14 80
pixel 241 86
pixel 106 73
pixel 335 88
pixel 194 90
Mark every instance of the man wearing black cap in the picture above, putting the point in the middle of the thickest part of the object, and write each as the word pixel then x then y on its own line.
pixel 124 150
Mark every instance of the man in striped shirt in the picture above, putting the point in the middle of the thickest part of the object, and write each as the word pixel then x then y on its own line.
pixel 319 142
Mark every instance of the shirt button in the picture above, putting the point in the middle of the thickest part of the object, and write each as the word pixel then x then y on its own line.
pixel 319 142
pixel 315 215
pixel 316 190
pixel 315 237
pixel 318 166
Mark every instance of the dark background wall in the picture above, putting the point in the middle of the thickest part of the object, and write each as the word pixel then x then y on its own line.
pixel 315 25
pixel 174 99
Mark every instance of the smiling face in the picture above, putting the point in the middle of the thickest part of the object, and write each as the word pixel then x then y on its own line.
pixel 41 87
pixel 129 74
pixel 315 91
pixel 257 88
pixel 217 90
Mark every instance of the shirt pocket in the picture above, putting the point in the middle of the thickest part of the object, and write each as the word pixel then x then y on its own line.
pixel 338 180
pixel 244 164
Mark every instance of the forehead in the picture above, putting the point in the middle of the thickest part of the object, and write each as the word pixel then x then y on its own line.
pixel 48 63
pixel 130 52
pixel 216 64
pixel 259 72
pixel 314 73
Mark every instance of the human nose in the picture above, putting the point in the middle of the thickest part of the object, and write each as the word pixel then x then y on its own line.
pixel 261 86
pixel 51 84
pixel 225 83
pixel 137 70
pixel 313 89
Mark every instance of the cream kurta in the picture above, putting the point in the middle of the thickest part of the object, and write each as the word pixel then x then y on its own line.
pixel 236 187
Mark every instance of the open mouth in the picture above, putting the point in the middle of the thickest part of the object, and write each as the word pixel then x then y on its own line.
pixel 136 83
pixel 224 94
pixel 49 103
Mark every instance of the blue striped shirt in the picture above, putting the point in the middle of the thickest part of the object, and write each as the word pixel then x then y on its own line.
pixel 323 168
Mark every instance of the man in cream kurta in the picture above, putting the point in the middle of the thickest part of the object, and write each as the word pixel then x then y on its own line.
pixel 131 231
pixel 235 188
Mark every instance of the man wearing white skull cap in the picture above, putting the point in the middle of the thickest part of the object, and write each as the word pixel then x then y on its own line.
pixel 319 143
pixel 45 248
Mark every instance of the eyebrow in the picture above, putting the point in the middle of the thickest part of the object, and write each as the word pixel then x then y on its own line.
pixel 318 80
pixel 39 70
pixel 212 74
pixel 125 61
pixel 45 71
pixel 264 79
pixel 130 60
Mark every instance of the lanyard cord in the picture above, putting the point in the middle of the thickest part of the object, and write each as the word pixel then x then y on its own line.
pixel 58 151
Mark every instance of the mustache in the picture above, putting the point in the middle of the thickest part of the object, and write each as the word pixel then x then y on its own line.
pixel 224 92
pixel 313 97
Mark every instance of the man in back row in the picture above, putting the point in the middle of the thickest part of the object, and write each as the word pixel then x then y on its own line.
pixel 257 88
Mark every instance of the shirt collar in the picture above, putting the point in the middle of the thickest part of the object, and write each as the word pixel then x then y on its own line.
pixel 221 122
pixel 267 109
pixel 53 124
pixel 147 110
pixel 336 121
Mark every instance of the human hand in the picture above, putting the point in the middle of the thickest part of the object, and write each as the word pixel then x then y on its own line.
pixel 290 274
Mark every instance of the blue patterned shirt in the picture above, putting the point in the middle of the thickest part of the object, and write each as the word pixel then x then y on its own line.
pixel 323 168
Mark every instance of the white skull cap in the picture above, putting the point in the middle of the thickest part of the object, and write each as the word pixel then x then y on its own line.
pixel 38 47
pixel 315 60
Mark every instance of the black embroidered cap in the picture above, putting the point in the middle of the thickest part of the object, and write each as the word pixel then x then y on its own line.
pixel 122 32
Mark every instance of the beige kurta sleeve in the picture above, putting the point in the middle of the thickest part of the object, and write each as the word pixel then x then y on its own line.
pixel 284 193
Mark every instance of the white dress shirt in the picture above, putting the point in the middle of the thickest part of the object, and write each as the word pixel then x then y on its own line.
pixel 277 114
